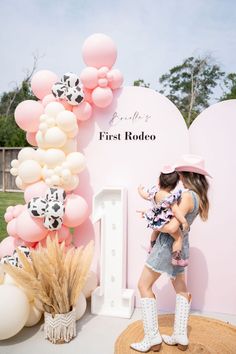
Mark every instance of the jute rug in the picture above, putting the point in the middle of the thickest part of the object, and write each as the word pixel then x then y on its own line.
pixel 206 336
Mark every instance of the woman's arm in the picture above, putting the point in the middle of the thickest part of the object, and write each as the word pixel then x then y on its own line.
pixel 185 206
pixel 142 192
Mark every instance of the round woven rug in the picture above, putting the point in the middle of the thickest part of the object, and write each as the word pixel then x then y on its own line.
pixel 206 336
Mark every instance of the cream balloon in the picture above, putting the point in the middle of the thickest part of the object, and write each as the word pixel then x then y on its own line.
pixel 40 140
pixel 70 146
pixel 30 171
pixel 71 184
pixel 14 310
pixel 14 171
pixel 20 184
pixel 40 156
pixel 80 307
pixel 71 134
pixel 66 120
pixel 54 157
pixel 76 162
pixel 8 280
pixel 90 284
pixel 53 109
pixel 15 163
pixel 34 316
pixel 27 153
pixel 55 137
pixel 55 180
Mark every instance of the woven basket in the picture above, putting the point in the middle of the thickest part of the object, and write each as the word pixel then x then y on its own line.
pixel 61 328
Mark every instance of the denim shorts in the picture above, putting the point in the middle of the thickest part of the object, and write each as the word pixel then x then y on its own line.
pixel 159 259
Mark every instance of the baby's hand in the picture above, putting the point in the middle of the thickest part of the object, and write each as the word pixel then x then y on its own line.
pixel 142 213
pixel 185 226
pixel 140 189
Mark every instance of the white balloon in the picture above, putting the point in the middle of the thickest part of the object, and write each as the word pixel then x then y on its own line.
pixel 55 137
pixel 15 163
pixel 34 316
pixel 40 140
pixel 65 173
pixel 43 118
pixel 14 310
pixel 27 153
pixel 80 307
pixel 70 146
pixel 48 181
pixel 53 109
pixel 54 157
pixel 14 171
pixel 40 156
pixel 71 184
pixel 72 133
pixel 76 162
pixel 91 284
pixel 9 280
pixel 55 180
pixel 66 120
pixel 20 183
pixel 47 172
pixel 30 171
pixel 51 122
pixel 43 127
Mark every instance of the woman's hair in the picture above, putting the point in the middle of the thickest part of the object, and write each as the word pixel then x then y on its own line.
pixel 199 184
pixel 168 180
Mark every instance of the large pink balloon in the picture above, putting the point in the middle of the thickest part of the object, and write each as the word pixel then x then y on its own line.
pixel 27 115
pixel 8 245
pixel 102 97
pixel 37 189
pixel 30 229
pixel 99 50
pixel 47 99
pixel 30 137
pixel 116 79
pixel 11 228
pixel 42 82
pixel 18 209
pixel 83 111
pixel 76 210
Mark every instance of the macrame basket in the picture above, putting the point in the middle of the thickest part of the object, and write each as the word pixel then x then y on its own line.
pixel 61 328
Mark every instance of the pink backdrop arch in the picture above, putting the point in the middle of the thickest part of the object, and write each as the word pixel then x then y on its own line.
pixel 128 163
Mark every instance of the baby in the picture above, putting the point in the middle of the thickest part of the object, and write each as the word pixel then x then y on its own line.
pixel 164 207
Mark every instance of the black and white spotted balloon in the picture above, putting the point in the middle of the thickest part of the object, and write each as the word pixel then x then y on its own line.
pixel 69 88
pixel 37 207
pixel 70 79
pixel 9 260
pixel 59 90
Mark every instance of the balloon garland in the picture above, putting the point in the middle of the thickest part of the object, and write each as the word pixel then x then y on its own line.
pixel 49 174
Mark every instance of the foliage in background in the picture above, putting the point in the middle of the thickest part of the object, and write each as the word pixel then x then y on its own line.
pixel 140 82
pixel 230 87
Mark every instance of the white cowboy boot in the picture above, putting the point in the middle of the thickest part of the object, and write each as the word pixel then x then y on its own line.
pixel 152 339
pixel 179 336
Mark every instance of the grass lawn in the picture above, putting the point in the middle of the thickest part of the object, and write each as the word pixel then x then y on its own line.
pixel 6 199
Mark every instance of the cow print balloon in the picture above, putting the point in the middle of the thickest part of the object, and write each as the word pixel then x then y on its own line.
pixel 37 206
pixel 9 260
pixel 52 222
pixel 75 95
pixel 70 79
pixel 56 194
pixel 59 90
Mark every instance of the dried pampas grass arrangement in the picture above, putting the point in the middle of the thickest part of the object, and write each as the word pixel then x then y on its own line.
pixel 54 276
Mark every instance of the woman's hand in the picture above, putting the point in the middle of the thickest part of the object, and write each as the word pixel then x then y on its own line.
pixel 142 213
pixel 142 192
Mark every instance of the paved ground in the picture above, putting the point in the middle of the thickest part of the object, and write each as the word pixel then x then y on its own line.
pixel 96 335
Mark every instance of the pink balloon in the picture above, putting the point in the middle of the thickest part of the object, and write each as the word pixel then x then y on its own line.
pixel 89 77
pixel 10 209
pixel 47 99
pixel 42 82
pixel 8 216
pixel 63 234
pixel 116 79
pixel 27 115
pixel 102 97
pixel 37 189
pixel 103 82
pixel 8 245
pixel 30 137
pixel 68 240
pixel 88 95
pixel 99 50
pixel 30 229
pixel 83 111
pixel 18 209
pixel 67 106
pixel 76 210
pixel 11 228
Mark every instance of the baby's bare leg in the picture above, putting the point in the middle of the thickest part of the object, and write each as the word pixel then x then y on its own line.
pixel 178 241
pixel 154 235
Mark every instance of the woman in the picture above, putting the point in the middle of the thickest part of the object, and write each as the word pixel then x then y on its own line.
pixel 194 201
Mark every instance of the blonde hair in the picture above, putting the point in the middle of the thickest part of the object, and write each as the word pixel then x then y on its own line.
pixel 199 184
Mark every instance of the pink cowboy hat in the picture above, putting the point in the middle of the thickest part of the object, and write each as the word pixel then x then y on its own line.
pixel 192 163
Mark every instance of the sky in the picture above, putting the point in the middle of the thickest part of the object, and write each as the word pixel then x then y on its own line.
pixel 151 35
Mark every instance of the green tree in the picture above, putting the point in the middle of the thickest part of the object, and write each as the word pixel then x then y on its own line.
pixel 230 87
pixel 140 82
pixel 190 85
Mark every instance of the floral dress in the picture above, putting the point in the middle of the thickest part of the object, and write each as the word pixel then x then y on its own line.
pixel 160 213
